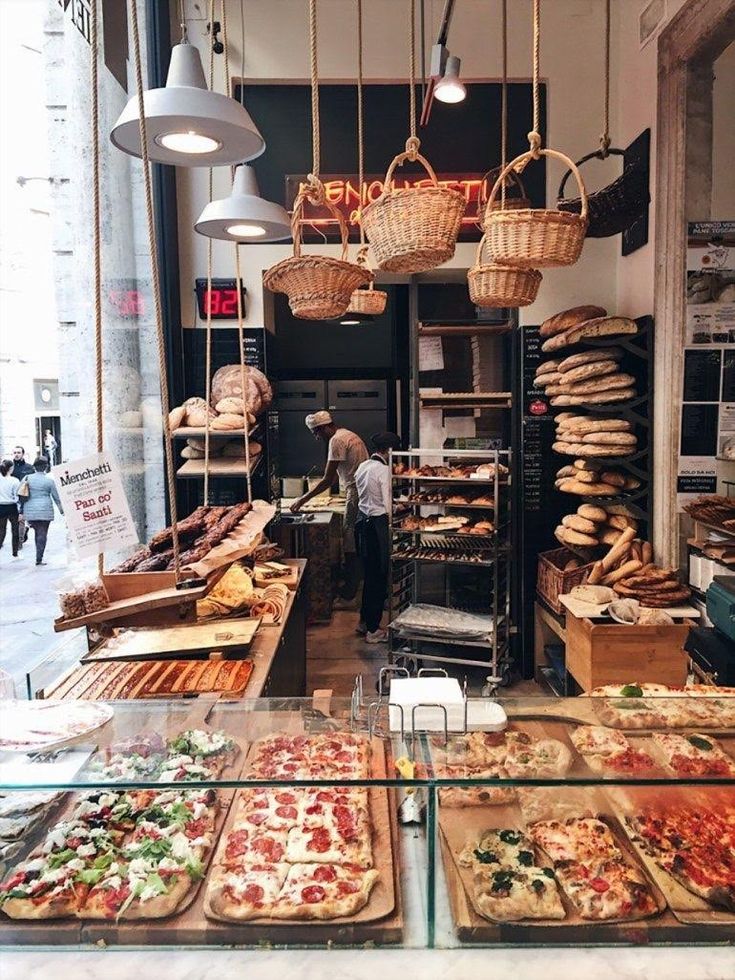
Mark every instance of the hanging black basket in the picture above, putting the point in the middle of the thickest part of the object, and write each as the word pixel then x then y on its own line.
pixel 615 207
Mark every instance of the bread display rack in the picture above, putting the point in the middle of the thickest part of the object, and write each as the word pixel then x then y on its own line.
pixel 457 569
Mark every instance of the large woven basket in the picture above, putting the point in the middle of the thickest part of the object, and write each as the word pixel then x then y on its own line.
pixel 318 287
pixel 501 286
pixel 414 229
pixel 536 238
pixel 614 208
pixel 515 195
pixel 552 580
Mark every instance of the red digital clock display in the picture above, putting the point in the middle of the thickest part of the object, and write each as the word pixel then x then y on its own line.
pixel 219 302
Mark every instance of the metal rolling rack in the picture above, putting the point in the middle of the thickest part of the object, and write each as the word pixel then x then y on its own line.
pixel 453 552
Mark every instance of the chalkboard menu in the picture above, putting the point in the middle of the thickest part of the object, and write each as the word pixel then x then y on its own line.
pixel 541 506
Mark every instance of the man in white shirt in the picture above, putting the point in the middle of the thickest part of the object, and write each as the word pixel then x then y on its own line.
pixel 345 453
pixel 373 481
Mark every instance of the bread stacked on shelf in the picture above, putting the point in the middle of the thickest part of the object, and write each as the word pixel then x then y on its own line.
pixel 714 509
pixel 228 410
pixel 592 526
pixel 443 524
pixel 576 325
pixel 483 471
pixel 453 498
pixel 590 438
pixel 592 478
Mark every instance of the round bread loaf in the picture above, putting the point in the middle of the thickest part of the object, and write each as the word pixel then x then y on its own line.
pixel 569 318
pixel 578 523
pixel 592 513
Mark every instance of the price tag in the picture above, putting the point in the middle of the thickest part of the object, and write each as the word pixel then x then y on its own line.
pixel 95 506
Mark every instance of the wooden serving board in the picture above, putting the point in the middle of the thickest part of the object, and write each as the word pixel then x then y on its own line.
pixel 382 901
pixel 687 907
pixel 134 606
pixel 593 610
pixel 152 644
pixel 458 826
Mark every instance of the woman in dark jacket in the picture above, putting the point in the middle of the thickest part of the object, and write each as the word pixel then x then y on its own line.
pixel 38 506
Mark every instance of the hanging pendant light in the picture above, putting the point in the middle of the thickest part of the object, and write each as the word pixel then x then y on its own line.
pixel 244 216
pixel 449 88
pixel 188 125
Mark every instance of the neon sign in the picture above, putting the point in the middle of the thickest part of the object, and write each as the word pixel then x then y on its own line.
pixel 344 193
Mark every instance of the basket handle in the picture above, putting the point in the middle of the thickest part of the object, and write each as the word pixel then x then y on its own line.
pixel 364 263
pixel 597 154
pixel 512 178
pixel 521 162
pixel 480 248
pixel 410 153
pixel 313 192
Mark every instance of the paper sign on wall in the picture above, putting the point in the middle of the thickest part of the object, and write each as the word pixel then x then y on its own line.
pixel 95 506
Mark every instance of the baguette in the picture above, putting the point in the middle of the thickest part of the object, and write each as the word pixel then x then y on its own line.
pixel 596 575
pixel 647 553
pixel 627 568
pixel 563 321
pixel 619 550
pixel 609 535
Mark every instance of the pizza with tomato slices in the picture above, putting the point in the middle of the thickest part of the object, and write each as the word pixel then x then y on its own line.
pixel 298 853
pixel 592 870
pixel 695 846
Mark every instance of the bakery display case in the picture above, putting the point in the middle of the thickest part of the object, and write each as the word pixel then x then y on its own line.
pixel 606 819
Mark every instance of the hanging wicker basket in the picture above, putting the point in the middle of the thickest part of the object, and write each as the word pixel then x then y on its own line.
pixel 616 207
pixel 318 287
pixel 536 238
pixel 500 286
pixel 515 195
pixel 370 301
pixel 414 229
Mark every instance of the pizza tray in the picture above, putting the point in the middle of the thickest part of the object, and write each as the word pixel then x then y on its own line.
pixel 63 932
pixel 688 908
pixel 195 640
pixel 581 711
pixel 105 712
pixel 382 899
pixel 458 826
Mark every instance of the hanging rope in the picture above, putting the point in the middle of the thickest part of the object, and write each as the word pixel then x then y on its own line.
pixel 182 22
pixel 534 137
pixel 504 101
pixel 236 246
pixel 315 187
pixel 360 127
pixel 413 142
pixel 208 326
pixel 605 135
pixel 156 288
pixel 97 247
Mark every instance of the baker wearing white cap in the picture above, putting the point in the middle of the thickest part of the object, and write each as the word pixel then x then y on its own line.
pixel 346 452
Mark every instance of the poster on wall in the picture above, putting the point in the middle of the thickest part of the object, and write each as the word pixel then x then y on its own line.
pixel 95 506
pixel 708 394
pixel 711 284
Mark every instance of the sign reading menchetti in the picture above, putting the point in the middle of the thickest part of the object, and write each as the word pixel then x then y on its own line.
pixel 95 506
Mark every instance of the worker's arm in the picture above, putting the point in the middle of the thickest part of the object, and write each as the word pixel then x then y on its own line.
pixel 330 475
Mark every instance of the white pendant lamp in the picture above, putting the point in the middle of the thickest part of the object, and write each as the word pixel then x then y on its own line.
pixel 449 88
pixel 189 126
pixel 244 216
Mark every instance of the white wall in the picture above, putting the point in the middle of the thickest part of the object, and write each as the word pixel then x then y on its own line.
pixel 572 51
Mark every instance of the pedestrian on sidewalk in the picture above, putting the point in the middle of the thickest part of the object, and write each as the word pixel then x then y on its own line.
pixel 38 506
pixel 9 506
pixel 21 469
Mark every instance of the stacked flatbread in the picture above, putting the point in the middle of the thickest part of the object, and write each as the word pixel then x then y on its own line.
pixel 594 478
pixel 593 438
pixel 591 377
pixel 583 323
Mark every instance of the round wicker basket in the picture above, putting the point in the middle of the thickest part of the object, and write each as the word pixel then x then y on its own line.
pixel 501 286
pixel 318 287
pixel 414 229
pixel 536 238
pixel 515 195
pixel 369 301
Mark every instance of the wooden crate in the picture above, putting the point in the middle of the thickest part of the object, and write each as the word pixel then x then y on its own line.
pixel 552 580
pixel 611 653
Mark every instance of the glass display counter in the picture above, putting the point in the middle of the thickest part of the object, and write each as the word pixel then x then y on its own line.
pixel 300 822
